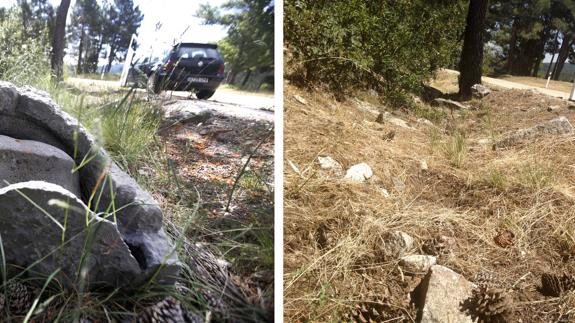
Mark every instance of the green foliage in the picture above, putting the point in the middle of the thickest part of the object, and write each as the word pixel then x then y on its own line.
pixel 249 45
pixel 129 129
pixel 93 26
pixel 23 60
pixel 390 46
pixel 456 149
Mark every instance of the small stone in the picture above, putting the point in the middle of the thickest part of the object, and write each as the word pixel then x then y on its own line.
pixel 440 294
pixel 425 121
pixel 300 99
pixel 396 244
pixel 359 172
pixel 484 141
pixel 330 164
pixel 479 91
pixel 553 108
pixel 423 165
pixel 398 183
pixel 417 263
pixel 385 193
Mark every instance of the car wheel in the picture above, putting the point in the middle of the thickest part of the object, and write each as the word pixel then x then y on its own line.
pixel 154 84
pixel 205 94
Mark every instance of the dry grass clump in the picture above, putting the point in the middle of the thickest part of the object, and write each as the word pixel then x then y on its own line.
pixel 509 212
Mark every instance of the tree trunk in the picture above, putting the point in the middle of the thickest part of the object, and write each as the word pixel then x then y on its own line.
pixel 59 42
pixel 246 78
pixel 512 45
pixel 548 74
pixel 472 54
pixel 563 55
pixel 110 58
pixel 80 48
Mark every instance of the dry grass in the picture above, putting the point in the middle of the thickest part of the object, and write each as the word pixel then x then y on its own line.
pixel 333 228
pixel 540 82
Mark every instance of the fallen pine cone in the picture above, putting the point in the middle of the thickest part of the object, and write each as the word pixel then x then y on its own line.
pixel 488 305
pixel 555 285
pixel 504 238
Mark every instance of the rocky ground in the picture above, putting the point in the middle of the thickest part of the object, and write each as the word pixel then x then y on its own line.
pixel 443 213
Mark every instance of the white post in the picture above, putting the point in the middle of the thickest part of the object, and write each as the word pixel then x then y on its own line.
pixel 572 96
pixel 128 62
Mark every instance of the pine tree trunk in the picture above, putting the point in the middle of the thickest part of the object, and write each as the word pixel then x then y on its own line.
pixel 246 78
pixel 59 42
pixel 548 74
pixel 512 45
pixel 563 55
pixel 80 49
pixel 110 58
pixel 471 61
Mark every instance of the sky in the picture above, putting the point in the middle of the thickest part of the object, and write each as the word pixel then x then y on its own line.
pixel 175 17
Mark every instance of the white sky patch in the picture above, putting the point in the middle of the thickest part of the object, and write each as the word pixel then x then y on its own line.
pixel 177 24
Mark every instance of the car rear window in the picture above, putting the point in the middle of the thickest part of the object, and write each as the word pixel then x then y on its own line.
pixel 195 52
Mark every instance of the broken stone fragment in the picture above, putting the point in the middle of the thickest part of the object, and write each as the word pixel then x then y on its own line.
pixel 25 160
pixel 558 126
pixel 359 173
pixel 417 263
pixel 553 108
pixel 139 218
pixel 479 91
pixel 45 228
pixel 397 243
pixel 452 105
pixel 440 294
pixel 330 164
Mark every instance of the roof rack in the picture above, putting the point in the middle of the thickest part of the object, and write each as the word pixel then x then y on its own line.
pixel 214 46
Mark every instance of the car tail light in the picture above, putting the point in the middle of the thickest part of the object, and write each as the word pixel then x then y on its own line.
pixel 169 65
pixel 221 70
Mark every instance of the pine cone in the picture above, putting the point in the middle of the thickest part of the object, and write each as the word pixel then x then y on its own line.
pixel 438 246
pixel 18 297
pixel 190 317
pixel 488 305
pixel 166 311
pixel 568 282
pixel 485 278
pixel 375 310
pixel 551 285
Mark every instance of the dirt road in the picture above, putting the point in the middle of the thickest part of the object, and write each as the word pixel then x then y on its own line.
pixel 226 101
pixel 514 85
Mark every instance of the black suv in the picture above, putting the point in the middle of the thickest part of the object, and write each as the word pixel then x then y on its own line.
pixel 188 67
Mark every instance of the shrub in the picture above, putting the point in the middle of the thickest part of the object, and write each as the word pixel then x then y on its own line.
pixel 24 59
pixel 391 46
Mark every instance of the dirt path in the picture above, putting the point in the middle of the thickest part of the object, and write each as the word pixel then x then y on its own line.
pixel 226 101
pixel 514 85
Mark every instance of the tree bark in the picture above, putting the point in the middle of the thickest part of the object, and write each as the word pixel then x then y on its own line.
pixel 471 61
pixel 563 55
pixel 512 45
pixel 80 49
pixel 246 78
pixel 59 42
pixel 111 57
pixel 556 43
